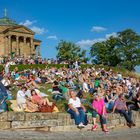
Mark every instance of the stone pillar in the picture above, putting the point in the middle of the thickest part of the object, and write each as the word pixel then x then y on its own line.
pixel 38 50
pixel 17 47
pixel 6 46
pixel 24 40
pixel 32 47
pixel 9 45
pixel 23 47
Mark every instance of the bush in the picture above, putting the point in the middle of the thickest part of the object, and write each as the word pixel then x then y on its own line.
pixel 23 67
pixel 57 65
pixel 1 67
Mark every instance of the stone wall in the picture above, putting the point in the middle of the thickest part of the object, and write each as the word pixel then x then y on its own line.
pixel 54 121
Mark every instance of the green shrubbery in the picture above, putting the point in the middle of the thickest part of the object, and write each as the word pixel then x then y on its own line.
pixel 22 67
pixel 35 66
pixel 1 67
pixel 83 66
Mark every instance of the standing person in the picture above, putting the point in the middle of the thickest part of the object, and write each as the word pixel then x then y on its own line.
pixel 99 108
pixel 77 110
pixel 120 106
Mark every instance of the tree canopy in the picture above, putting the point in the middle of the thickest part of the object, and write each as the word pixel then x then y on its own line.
pixel 124 50
pixel 68 51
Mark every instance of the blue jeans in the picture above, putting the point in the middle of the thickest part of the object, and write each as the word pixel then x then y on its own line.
pixel 102 119
pixel 78 118
pixel 3 106
pixel 127 115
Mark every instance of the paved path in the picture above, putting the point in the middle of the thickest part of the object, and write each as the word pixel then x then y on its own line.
pixel 123 134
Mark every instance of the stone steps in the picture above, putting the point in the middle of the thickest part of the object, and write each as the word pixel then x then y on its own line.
pixel 55 121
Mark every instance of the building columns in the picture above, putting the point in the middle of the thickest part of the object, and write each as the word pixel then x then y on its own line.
pixel 32 47
pixel 23 47
pixel 6 46
pixel 38 50
pixel 9 45
pixel 17 47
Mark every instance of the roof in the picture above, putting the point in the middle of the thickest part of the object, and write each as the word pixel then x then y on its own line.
pixel 36 40
pixel 7 21
pixel 15 28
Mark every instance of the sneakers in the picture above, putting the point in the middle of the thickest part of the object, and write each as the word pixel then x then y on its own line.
pixel 130 124
pixel 94 127
pixel 133 124
pixel 1 110
pixel 81 125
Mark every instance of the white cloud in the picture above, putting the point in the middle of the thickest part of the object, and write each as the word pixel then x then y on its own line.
pixel 27 23
pixel 38 30
pixel 111 34
pixel 53 37
pixel 98 29
pixel 88 42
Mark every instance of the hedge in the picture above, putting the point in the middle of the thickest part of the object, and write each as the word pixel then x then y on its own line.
pixel 83 66
pixel 22 67
pixel 1 68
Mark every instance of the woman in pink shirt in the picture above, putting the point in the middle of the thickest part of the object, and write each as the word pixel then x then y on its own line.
pixel 37 99
pixel 99 108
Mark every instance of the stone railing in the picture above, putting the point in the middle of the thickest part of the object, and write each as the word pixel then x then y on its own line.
pixel 54 121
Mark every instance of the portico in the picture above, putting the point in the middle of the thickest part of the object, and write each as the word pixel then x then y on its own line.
pixel 17 40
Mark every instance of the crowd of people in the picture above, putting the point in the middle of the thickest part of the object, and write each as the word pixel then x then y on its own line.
pixel 23 60
pixel 108 92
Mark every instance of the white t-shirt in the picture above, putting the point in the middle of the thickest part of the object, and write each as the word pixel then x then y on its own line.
pixel 85 87
pixel 5 82
pixel 76 103
pixel 21 97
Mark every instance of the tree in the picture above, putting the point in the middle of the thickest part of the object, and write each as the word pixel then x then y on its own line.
pixel 68 51
pixel 129 48
pixel 105 52
pixel 122 50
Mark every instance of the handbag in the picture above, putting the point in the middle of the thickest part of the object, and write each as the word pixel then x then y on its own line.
pixel 46 108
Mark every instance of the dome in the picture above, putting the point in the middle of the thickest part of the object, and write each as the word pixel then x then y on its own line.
pixel 7 21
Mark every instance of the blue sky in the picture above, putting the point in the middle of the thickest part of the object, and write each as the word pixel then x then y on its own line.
pixel 80 21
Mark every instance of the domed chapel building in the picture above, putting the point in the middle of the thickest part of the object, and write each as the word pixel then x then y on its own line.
pixel 17 40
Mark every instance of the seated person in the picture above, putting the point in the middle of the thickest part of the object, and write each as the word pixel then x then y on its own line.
pixel 37 99
pixel 77 110
pixel 31 81
pixel 21 98
pixel 17 76
pixel 55 87
pixel 135 105
pixel 85 86
pixel 120 106
pixel 3 96
pixel 100 109
pixel 64 89
pixel 109 99
pixel 6 82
